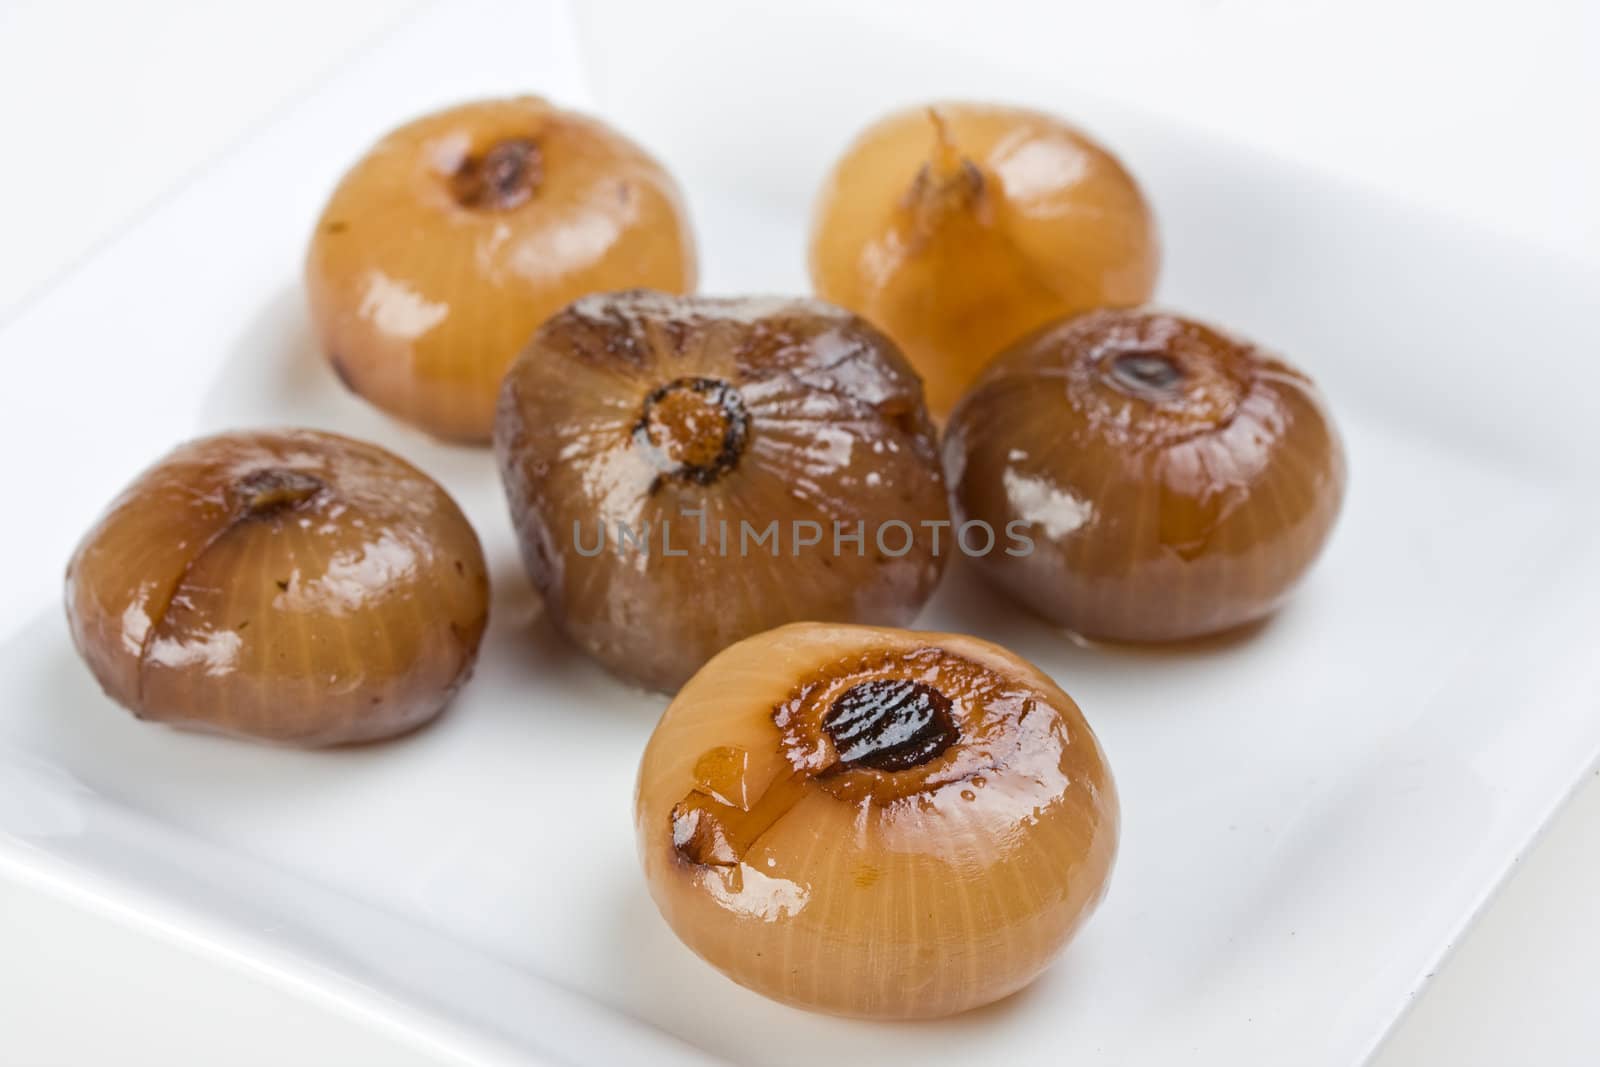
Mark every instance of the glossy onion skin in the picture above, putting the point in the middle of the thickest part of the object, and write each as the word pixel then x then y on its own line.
pixel 421 301
pixel 889 895
pixel 836 431
pixel 960 227
pixel 1155 515
pixel 349 609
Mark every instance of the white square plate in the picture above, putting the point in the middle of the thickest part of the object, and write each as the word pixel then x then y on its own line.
pixel 1311 813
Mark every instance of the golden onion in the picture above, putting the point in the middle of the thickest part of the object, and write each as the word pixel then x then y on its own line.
pixel 959 227
pixel 450 241
pixel 875 822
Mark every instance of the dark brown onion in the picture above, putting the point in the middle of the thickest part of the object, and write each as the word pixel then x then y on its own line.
pixel 649 413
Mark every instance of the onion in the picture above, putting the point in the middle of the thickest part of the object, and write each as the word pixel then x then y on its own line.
pixel 686 472
pixel 291 586
pixel 875 822
pixel 958 228
pixel 450 241
pixel 1171 481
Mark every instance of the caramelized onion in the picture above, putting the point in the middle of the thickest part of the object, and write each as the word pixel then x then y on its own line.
pixel 450 241
pixel 1173 481
pixel 291 586
pixel 958 228
pixel 875 822
pixel 685 472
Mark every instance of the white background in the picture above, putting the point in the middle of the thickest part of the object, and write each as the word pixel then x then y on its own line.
pixel 1488 111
